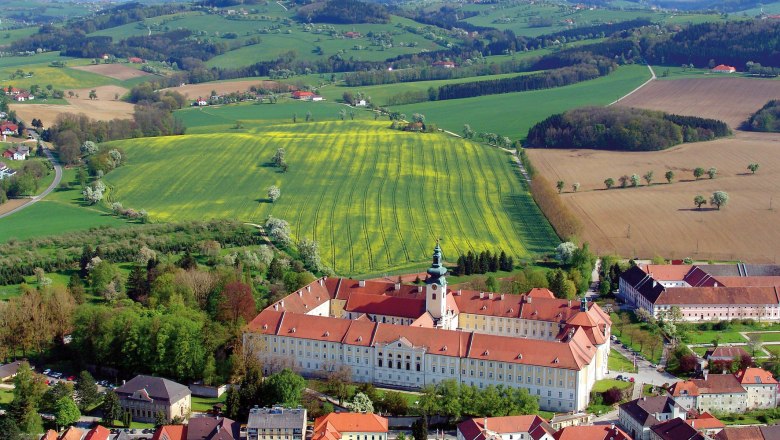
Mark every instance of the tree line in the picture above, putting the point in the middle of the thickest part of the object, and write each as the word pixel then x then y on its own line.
pixel 619 128
pixel 767 118
pixel 544 80
pixel 483 262
pixel 344 12
pixel 729 42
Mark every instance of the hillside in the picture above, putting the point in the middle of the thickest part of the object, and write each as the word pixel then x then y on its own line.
pixel 372 197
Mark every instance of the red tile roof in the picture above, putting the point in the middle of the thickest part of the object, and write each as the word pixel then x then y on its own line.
pixel 666 272
pixel 98 433
pixel 724 68
pixel 385 305
pixel 718 295
pixel 72 433
pixel 170 432
pixel 754 376
pixel 725 353
pixel 596 432
pixel 49 435
pixel 473 429
pixel 331 426
pixel 714 384
pixel 705 421
pixel 676 429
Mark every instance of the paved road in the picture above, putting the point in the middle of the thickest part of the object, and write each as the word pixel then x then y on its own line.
pixel 54 184
pixel 646 374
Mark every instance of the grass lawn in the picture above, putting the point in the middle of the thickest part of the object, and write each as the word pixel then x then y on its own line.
pixel 60 212
pixel 635 327
pixel 512 114
pixel 605 384
pixel 204 404
pixel 767 337
pixel 619 363
pixel 377 198
pixel 693 334
pixel 5 397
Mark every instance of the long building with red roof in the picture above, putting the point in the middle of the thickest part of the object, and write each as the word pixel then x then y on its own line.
pixel 409 336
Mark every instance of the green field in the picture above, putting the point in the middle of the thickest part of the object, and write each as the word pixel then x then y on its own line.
pixel 619 363
pixel 59 212
pixel 512 114
pixel 604 384
pixel 373 198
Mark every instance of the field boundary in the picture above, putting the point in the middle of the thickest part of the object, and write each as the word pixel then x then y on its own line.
pixel 652 78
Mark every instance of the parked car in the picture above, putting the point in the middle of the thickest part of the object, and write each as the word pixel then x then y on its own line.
pixel 46 371
pixel 631 379
pixel 619 377
pixel 71 378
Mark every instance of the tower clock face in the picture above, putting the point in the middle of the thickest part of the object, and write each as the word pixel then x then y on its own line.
pixel 434 286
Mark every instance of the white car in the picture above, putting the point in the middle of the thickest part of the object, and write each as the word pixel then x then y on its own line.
pixel 46 371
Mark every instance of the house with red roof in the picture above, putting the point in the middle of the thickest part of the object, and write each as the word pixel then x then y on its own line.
pixel 302 95
pixel 761 387
pixel 531 427
pixel 136 60
pixel 595 432
pixel 716 392
pixel 722 68
pixel 411 336
pixel 705 423
pixel 350 426
pixel 9 128
pixel 98 433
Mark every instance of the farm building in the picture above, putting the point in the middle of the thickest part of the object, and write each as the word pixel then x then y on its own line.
pixel 445 64
pixel 9 128
pixel 412 336
pixel 722 68
pixel 24 96
pixel 705 292
pixel 302 95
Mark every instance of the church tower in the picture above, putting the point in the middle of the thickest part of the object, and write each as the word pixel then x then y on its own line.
pixel 436 287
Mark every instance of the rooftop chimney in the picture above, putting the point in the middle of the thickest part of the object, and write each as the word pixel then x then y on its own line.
pixel 490 295
pixel 397 286
pixel 308 288
pixel 362 283
pixel 419 289
pixel 300 293
pixel 528 299
pixel 460 292
pixel 502 297
pixel 322 281
pixel 716 285
pixel 481 295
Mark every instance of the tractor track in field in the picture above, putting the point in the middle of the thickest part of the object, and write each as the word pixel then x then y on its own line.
pixel 348 222
pixel 451 204
pixel 439 211
pixel 470 168
pixel 395 207
pixel 333 211
pixel 319 206
pixel 487 196
pixel 382 181
pixel 410 210
pixel 365 215
pixel 500 202
pixel 299 220
pixel 422 194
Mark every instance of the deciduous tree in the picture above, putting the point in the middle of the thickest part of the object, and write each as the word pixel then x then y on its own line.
pixel 698 172
pixel 669 176
pixel 719 198
pixel 609 182
pixel 699 200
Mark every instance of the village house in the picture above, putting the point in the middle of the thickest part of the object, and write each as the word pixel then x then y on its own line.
pixel 530 427
pixel 276 423
pixel 350 426
pixel 8 371
pixel 444 64
pixel 200 102
pixel 71 433
pixel 9 128
pixel 726 392
pixel 21 152
pixel 412 336
pixel 303 95
pixel 705 292
pixel 201 428
pixel 749 433
pixel 705 423
pixel 23 96
pixel 639 415
pixel 6 171
pixel 351 34
pixel 145 396
pixel 675 429
pixel 593 432
pixel 722 68
pixel 725 354
pixel 98 433
pixel 317 98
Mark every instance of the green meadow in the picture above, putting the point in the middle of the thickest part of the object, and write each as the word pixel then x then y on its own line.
pixel 512 114
pixel 373 198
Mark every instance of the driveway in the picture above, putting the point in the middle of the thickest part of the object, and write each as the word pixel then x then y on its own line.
pixel 49 189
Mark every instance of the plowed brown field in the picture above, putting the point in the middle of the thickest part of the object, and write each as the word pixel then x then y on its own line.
pixel 104 108
pixel 661 219
pixel 731 100
pixel 117 71
pixel 195 90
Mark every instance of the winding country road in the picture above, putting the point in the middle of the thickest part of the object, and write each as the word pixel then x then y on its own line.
pixel 49 189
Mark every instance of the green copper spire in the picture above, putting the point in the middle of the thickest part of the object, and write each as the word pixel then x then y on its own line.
pixel 437 270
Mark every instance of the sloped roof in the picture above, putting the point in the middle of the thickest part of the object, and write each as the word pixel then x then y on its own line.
pixel 170 432
pixel 718 295
pixel 755 376
pixel 212 428
pixel 10 368
pixel 332 425
pixel 49 435
pixel 741 433
pixel 594 432
pixel 676 429
pixel 714 384
pixel 704 420
pixel 98 433
pixel 308 297
pixel 385 305
pixel 72 433
pixel 535 426
pixel 643 409
pixel 667 272
pixel 725 352
pixel 157 388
